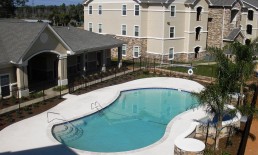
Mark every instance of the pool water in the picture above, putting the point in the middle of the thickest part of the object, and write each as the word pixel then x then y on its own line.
pixel 136 119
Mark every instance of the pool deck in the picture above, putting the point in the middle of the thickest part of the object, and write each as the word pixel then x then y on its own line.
pixel 33 135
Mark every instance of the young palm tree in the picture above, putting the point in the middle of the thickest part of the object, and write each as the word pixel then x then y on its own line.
pixel 216 95
pixel 243 60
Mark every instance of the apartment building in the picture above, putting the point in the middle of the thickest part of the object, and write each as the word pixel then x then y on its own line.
pixel 171 30
pixel 249 22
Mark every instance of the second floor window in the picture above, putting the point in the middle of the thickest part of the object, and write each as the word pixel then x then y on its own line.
pixel 199 11
pixel 136 31
pixel 100 28
pixel 197 33
pixel 90 27
pixel 123 29
pixel 172 11
pixel 124 50
pixel 249 29
pixel 250 14
pixel 124 10
pixel 136 10
pixel 171 32
pixel 100 9
pixel 90 10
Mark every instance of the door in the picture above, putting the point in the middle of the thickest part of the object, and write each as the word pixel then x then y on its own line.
pixel 5 85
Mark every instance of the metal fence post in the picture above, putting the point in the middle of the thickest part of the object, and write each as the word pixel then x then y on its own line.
pixel 140 63
pixel 60 87
pixel 133 64
pixel 154 65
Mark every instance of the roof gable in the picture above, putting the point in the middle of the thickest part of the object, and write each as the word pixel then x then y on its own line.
pixel 16 38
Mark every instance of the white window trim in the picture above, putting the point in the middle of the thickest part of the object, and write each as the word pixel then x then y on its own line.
pixel 90 9
pixel 169 53
pixel 125 10
pixel 100 6
pixel 122 29
pixel 139 53
pixel 173 32
pixel 101 28
pixel 91 26
pixel 135 9
pixel 174 11
pixel 10 84
pixel 138 30
pixel 124 45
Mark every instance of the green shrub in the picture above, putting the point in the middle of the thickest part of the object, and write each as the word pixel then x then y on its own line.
pixel 57 88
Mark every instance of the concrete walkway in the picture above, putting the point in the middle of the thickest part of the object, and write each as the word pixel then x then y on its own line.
pixel 33 135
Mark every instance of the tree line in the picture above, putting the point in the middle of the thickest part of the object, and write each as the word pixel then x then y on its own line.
pixel 58 15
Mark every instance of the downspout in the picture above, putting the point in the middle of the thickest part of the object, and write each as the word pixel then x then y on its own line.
pixel 163 35
pixel 223 27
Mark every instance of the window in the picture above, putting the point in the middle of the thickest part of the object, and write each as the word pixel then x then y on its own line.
pixel 90 10
pixel 100 28
pixel 234 15
pixel 136 51
pixel 123 29
pixel 124 10
pixel 136 31
pixel 196 52
pixel 199 11
pixel 136 10
pixel 4 85
pixel 172 11
pixel 124 50
pixel 171 32
pixel 197 33
pixel 250 14
pixel 249 29
pixel 90 27
pixel 100 9
pixel 171 54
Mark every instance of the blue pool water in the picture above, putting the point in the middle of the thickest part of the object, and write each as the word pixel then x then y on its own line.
pixel 136 119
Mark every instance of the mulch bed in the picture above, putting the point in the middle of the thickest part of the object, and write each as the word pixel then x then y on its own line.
pixel 26 112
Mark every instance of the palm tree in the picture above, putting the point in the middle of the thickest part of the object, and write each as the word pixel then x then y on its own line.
pixel 244 66
pixel 216 95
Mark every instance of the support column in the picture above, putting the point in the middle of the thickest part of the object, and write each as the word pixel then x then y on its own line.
pixel 104 60
pixel 84 61
pixel 62 71
pixel 119 56
pixel 22 80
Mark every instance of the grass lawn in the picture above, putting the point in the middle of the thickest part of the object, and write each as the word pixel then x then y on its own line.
pixel 204 70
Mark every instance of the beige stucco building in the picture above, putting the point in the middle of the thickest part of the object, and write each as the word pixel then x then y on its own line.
pixel 170 30
pixel 33 55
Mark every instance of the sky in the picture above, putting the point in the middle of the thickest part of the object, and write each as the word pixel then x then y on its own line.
pixel 54 2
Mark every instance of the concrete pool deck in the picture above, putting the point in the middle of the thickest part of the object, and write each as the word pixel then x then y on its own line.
pixel 33 135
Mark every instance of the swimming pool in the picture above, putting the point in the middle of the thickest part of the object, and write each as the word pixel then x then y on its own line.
pixel 136 119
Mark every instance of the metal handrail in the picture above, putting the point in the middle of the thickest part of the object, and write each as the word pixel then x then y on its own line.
pixel 63 118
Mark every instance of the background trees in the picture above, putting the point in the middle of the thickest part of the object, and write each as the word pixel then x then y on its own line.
pixel 7 7
pixel 59 15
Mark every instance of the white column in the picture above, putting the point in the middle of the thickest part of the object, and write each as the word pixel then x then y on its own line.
pixel 22 79
pixel 119 56
pixel 62 71
pixel 104 60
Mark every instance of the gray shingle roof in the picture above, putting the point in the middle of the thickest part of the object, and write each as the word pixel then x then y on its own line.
pixel 16 37
pixel 233 34
pixel 222 2
pixel 253 3
pixel 190 1
pixel 81 40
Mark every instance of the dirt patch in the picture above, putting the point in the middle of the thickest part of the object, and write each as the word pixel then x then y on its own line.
pixel 26 112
